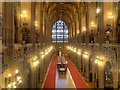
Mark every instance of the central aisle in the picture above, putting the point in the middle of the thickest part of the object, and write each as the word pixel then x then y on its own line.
pixel 72 79
pixel 64 80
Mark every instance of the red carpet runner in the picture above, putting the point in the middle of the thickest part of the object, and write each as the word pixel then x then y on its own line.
pixel 79 82
pixel 50 79
pixel 51 76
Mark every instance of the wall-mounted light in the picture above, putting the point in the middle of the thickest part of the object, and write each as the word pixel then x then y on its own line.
pixel 68 47
pixel 46 53
pixel 96 61
pixel 99 60
pixel 9 75
pixel 75 49
pixel 43 54
pixel 92 25
pixel 85 54
pixel 46 50
pixel 8 81
pixel 17 77
pixel 23 16
pixel 110 16
pixel 35 61
pixel 79 52
pixel 97 10
pixel 9 85
pixel 100 63
pixel 16 71
pixel 78 31
pixel 36 23
pixel 14 85
pixel 17 80
pixel 84 29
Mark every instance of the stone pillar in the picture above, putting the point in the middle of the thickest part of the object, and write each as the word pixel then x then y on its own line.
pixel 45 33
pixel 33 77
pixel 41 42
pixel 33 25
pixel 87 39
pixel 41 21
pixel 93 72
pixel 43 27
pixel 101 41
pixel 101 76
pixel 87 24
pixel 115 81
pixel 83 65
pixel 18 34
pixel 101 25
pixel 79 18
pixel 118 24
pixel 8 29
pixel 8 32
pixel 115 74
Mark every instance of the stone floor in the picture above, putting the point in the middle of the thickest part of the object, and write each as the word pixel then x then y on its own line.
pixel 64 80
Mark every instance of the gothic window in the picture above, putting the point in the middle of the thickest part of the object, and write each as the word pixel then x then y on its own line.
pixel 60 32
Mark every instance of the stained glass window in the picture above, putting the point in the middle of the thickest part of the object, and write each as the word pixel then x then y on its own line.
pixel 60 32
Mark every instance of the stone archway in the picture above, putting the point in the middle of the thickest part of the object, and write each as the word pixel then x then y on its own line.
pixel 108 77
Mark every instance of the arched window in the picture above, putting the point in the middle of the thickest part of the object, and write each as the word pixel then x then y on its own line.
pixel 60 32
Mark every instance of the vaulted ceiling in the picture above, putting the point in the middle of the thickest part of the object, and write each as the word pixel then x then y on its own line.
pixel 64 11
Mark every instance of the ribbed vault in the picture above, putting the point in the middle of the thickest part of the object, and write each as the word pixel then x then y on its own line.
pixel 64 11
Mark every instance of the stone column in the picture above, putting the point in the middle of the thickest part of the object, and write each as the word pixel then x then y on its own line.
pixel 87 39
pixel 87 24
pixel 43 27
pixel 8 32
pixel 79 18
pixel 41 42
pixel 118 24
pixel 33 77
pixel 101 25
pixel 115 79
pixel 101 41
pixel 8 29
pixel 116 69
pixel 93 72
pixel 101 76
pixel 33 25
pixel 41 17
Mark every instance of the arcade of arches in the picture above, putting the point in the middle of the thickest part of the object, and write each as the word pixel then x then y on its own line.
pixel 86 34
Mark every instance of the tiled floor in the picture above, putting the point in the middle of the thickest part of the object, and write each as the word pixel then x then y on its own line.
pixel 64 80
